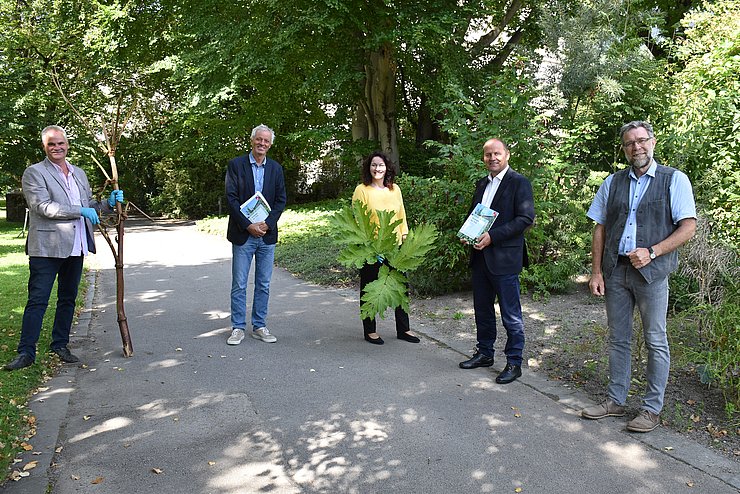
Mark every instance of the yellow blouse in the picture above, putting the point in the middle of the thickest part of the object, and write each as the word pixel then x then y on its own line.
pixel 384 200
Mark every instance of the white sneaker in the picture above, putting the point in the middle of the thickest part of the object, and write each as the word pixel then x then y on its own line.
pixel 264 335
pixel 237 335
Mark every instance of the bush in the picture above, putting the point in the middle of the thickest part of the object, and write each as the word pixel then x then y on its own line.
pixel 707 287
pixel 444 205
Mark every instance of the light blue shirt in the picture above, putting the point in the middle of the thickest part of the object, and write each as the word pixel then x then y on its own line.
pixel 682 203
pixel 258 172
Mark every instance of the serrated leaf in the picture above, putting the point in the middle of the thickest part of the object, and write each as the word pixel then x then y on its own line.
pixel 356 256
pixel 388 291
pixel 414 249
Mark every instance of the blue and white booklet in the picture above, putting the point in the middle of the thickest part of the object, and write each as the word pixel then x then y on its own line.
pixel 256 208
pixel 480 221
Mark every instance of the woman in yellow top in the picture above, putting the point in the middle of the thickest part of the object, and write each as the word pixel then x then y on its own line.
pixel 378 193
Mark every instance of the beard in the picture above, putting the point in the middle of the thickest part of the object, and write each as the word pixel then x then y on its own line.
pixel 641 161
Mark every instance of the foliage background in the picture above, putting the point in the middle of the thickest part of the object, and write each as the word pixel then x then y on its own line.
pixel 427 81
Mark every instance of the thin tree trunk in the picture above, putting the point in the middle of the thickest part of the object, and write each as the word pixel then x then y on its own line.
pixel 128 349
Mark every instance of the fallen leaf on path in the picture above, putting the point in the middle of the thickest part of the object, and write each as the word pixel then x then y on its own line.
pixel 59 449
pixel 518 489
pixel 30 465
pixel 26 446
pixel 37 453
pixel 74 477
pixel 695 418
pixel 691 402
pixel 668 448
pixel 157 470
pixel 97 480
pixel 211 463
pixel 87 417
pixel 178 349
pixel 690 483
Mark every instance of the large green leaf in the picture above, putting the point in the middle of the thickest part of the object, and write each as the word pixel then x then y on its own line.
pixel 388 291
pixel 414 249
pixel 366 241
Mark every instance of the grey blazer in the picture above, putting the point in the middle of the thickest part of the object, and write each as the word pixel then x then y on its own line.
pixel 52 217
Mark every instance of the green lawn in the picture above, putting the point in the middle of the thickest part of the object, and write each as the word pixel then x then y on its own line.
pixel 16 422
pixel 305 245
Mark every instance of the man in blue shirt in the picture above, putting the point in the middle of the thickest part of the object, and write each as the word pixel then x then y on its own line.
pixel 245 176
pixel 643 214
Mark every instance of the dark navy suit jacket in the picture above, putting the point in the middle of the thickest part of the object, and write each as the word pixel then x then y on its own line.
pixel 240 187
pixel 515 205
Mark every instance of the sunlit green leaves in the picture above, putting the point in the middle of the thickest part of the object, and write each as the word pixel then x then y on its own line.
pixel 387 292
pixel 366 242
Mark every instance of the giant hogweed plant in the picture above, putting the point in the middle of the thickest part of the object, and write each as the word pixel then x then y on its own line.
pixel 366 241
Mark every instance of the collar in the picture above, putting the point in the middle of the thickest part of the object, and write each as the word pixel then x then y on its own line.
pixel 500 175
pixel 650 171
pixel 59 168
pixel 253 161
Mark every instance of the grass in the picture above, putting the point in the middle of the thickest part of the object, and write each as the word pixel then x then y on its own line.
pixel 305 245
pixel 16 421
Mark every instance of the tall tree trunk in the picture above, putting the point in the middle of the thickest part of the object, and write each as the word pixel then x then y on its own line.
pixel 383 99
pixel 375 114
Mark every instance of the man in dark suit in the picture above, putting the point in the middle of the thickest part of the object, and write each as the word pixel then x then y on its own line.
pixel 246 175
pixel 62 213
pixel 497 259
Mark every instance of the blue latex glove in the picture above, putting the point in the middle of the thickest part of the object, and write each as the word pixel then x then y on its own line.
pixel 115 196
pixel 90 214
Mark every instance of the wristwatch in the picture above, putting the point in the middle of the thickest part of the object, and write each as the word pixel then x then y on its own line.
pixel 652 253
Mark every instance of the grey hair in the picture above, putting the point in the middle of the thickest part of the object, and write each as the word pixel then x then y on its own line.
pixel 635 124
pixel 263 127
pixel 53 127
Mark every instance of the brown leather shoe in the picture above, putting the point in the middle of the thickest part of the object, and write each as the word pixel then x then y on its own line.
pixel 644 422
pixel 606 409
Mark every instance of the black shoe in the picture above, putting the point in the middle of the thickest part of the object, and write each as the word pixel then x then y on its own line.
pixel 21 361
pixel 65 355
pixel 509 374
pixel 408 337
pixel 478 360
pixel 374 341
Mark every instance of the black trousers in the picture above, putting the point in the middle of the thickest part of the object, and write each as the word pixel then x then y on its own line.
pixel 368 274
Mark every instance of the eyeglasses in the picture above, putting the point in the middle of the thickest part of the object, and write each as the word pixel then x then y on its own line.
pixel 640 141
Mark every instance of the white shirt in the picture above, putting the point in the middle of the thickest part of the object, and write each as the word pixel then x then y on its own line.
pixel 79 248
pixel 492 187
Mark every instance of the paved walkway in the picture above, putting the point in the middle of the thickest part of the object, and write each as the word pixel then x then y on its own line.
pixel 321 410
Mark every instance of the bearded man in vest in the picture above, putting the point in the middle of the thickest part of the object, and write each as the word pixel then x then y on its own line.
pixel 643 213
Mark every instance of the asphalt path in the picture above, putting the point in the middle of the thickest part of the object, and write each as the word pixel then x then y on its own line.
pixel 321 410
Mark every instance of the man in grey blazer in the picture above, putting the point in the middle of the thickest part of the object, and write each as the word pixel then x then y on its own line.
pixel 62 213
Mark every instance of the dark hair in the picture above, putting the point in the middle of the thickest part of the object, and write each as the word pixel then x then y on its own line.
pixel 390 171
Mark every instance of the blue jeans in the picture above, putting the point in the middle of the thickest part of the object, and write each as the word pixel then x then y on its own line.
pixel 624 289
pixel 43 272
pixel 486 288
pixel 263 255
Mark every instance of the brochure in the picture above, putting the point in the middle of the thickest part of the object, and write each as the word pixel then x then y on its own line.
pixel 479 221
pixel 256 208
